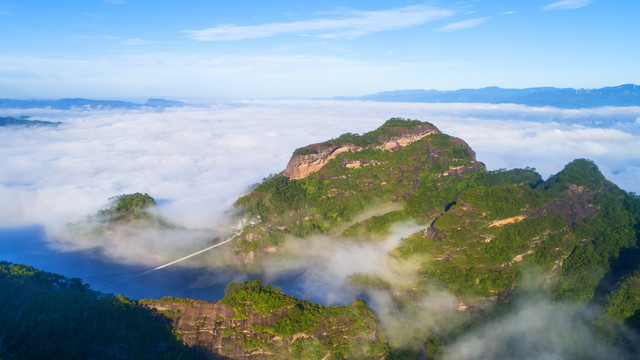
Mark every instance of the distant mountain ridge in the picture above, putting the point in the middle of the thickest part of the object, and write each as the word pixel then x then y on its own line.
pixel 622 95
pixel 24 121
pixel 69 103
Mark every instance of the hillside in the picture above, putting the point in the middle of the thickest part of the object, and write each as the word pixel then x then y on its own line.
pixel 333 181
pixel 46 315
pixel 484 224
pixel 484 234
pixel 254 321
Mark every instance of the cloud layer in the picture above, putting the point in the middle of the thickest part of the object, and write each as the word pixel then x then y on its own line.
pixel 567 4
pixel 466 24
pixel 537 329
pixel 202 158
pixel 358 24
pixel 198 160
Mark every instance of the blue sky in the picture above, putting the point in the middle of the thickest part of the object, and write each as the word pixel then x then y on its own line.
pixel 256 49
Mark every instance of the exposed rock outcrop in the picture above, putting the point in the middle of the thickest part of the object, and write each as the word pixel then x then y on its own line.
pixel 301 166
pixel 218 331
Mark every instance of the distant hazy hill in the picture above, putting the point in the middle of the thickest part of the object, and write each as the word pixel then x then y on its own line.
pixel 24 121
pixel 66 104
pixel 623 95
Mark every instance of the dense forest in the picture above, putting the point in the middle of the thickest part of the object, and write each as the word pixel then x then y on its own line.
pixel 46 315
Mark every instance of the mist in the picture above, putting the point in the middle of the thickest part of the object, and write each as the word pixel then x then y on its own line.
pixel 541 329
pixel 197 160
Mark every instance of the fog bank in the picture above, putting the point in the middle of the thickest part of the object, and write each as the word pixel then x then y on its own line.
pixel 197 160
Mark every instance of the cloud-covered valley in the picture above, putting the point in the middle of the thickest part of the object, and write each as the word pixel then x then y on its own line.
pixel 198 160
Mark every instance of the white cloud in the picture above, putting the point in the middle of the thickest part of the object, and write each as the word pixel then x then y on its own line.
pixel 201 159
pixel 463 24
pixel 101 37
pixel 130 41
pixel 567 4
pixel 539 329
pixel 137 41
pixel 360 23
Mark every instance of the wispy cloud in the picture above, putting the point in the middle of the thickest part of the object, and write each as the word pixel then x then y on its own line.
pixel 130 41
pixel 463 24
pixel 567 4
pixel 101 37
pixel 361 23
pixel 137 41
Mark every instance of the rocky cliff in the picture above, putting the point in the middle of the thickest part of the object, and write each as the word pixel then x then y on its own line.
pixel 327 184
pixel 258 322
pixel 312 158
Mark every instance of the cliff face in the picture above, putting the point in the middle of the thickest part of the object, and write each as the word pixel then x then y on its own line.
pixel 301 166
pixel 342 176
pixel 202 325
pixel 267 324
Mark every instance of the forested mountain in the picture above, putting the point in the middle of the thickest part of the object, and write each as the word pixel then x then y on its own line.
pixel 49 316
pixel 45 315
pixel 484 231
pixel 259 322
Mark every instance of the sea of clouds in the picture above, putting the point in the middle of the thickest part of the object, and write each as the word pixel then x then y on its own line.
pixel 197 160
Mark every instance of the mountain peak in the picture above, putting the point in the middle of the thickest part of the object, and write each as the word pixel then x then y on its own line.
pixel 393 135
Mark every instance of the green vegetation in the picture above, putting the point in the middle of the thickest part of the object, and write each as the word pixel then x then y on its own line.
pixel 255 295
pixel 335 194
pixel 624 302
pixel 376 225
pixel 538 223
pixel 188 302
pixel 48 315
pixel 24 121
pixel 488 229
pixel 346 332
pixel 129 207
pixel 579 172
pixel 388 129
pixel 603 236
pixel 305 151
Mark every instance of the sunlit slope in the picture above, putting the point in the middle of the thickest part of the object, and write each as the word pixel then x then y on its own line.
pixel 364 175
pixel 487 227
pixel 259 322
